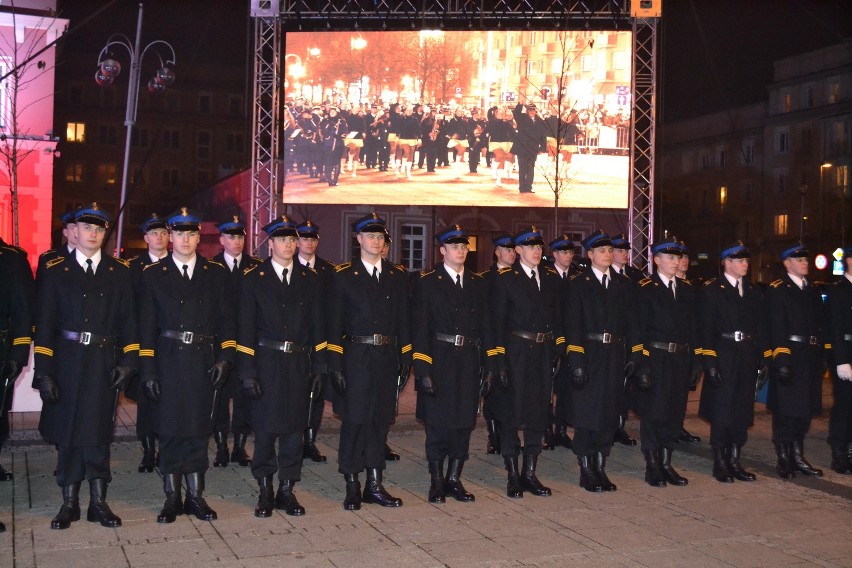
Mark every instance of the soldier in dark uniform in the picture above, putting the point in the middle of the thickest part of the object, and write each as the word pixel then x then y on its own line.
pixel 530 141
pixel 838 310
pixel 188 348
pixel 794 319
pixel 332 130
pixel 682 268
pixel 309 236
pixel 621 265
pixel 731 334
pixel 448 316
pixel 232 237
pixel 86 350
pixel 156 236
pixel 368 351
pixel 280 349
pixel 668 333
pixel 504 257
pixel 523 342
pixel 599 326
pixel 69 233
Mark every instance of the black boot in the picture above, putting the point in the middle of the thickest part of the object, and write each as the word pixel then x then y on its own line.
pixel 513 485
pixel 621 436
pixel 493 446
pixel 454 484
pixel 588 478
pixel 721 471
pixel 173 505
pixel 70 509
pixel 653 469
pixel 239 455
pixel 285 499
pixel 799 462
pixel 599 468
pixel 783 465
pixel 221 459
pixel 310 450
pixel 5 475
pixel 529 480
pixel 352 501
pixel 547 442
pixel 99 511
pixel 673 477
pixel 2 528
pixel 735 466
pixel 562 437
pixel 374 491
pixel 839 460
pixel 195 503
pixel 390 455
pixel 148 460
pixel 265 498
pixel 685 436
pixel 437 493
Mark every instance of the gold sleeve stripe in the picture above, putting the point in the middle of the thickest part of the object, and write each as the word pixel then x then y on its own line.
pixel 421 357
pixel 638 347
pixel 321 346
pixel 576 349
pixel 646 353
pixel 697 351
pixel 146 352
pixel 44 351
pixel 767 353
pixel 560 340
pixel 709 352
pixel 22 341
pixel 246 350
pixel 131 347
pixel 828 345
pixel 406 348
pixel 335 348
pixel 781 351
pixel 492 352
pixel 229 344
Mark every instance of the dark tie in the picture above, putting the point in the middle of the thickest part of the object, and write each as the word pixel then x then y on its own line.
pixel 532 277
pixel 603 281
pixel 740 287
pixel 376 274
pixel 90 272
pixel 308 264
pixel 621 271
pixel 458 281
pixel 564 275
pixel 804 283
pixel 236 265
pixel 671 288
pixel 186 271
pixel 284 277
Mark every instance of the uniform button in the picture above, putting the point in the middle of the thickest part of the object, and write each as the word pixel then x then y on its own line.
pixel 181 302
pixel 86 320
pixel 85 295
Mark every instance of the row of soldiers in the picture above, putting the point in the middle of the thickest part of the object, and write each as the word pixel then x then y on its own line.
pixel 514 334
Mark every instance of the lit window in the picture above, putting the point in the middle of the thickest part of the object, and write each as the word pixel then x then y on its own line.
pixel 74 172
pixel 413 247
pixel 75 132
pixel 780 224
pixel 723 195
pixel 106 174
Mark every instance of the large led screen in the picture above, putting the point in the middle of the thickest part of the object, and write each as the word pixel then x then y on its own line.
pixel 447 118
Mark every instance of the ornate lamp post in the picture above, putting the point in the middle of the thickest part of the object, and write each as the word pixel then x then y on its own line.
pixel 109 68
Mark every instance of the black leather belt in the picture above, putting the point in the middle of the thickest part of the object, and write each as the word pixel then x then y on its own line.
pixel 284 346
pixel 86 337
pixel 540 337
pixel 809 339
pixel 847 337
pixel 737 336
pixel 457 340
pixel 670 347
pixel 187 337
pixel 376 339
pixel 605 337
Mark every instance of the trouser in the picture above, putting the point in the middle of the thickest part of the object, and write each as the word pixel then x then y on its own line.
pixel 369 152
pixel 144 418
pixel 526 173
pixel 288 461
pixel 840 421
pixel 361 446
pixel 183 454
pixel 225 420
pixel 473 157
pixel 658 434
pixel 317 408
pixel 788 429
pixel 588 442
pixel 723 435
pixel 442 442
pixel 510 442
pixel 76 463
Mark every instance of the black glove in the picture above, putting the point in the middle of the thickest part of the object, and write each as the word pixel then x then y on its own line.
pixel 121 376
pixel 629 369
pixel 503 379
pixel 579 378
pixel 151 388
pixel 317 379
pixel 643 380
pixel 694 377
pixel 486 384
pixel 784 376
pixel 762 376
pixel 219 373
pixel 556 365
pixel 404 374
pixel 713 376
pixel 47 389
pixel 251 388
pixel 424 385
pixel 338 381
pixel 11 371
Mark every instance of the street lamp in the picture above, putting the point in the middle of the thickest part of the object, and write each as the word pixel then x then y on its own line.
pixel 108 69
pixel 822 168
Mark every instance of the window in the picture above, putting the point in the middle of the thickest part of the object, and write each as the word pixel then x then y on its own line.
pixel 587 62
pixel 74 172
pixel 779 224
pixel 620 60
pixel 748 152
pixel 413 247
pixel 809 96
pixel 139 137
pixel 234 142
pixel 138 175
pixel 723 195
pixel 706 161
pixel 782 141
pixel 804 178
pixel 75 95
pixel 171 139
pixel 106 174
pixel 235 106
pixel 748 191
pixel 204 104
pixel 556 66
pixel 780 180
pixel 171 177
pixel 834 92
pixel 723 158
pixel 788 102
pixel 202 147
pixel 841 178
pixel 532 67
pixel 75 132
pixel 107 136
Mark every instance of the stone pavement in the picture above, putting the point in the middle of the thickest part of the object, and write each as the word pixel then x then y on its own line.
pixel 806 522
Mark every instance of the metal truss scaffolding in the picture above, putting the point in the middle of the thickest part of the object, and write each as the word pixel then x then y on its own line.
pixel 272 17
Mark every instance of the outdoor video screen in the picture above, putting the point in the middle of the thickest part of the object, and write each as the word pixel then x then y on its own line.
pixel 447 118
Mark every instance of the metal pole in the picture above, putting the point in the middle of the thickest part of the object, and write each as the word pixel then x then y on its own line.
pixel 802 190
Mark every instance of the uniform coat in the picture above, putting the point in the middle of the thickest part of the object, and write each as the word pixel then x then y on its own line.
pixel 838 317
pixel 134 389
pixel 16 321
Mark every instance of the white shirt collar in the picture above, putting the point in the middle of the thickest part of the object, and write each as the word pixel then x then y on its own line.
pixel 81 259
pixel 156 258
pixel 189 263
pixel 666 279
pixel 599 275
pixel 279 269
pixel 796 280
pixel 229 260
pixel 313 262
pixel 369 267
pixel 733 281
pixel 453 273
pixel 528 270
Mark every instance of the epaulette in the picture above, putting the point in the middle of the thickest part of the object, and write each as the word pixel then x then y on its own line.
pixel 709 282
pixel 400 267
pixel 483 274
pixel 686 281
pixel 776 283
pixel 217 263
pixel 48 251
pixel 504 270
pixel 147 266
pixel 134 258
pixel 551 270
pixel 477 274
pixel 645 281
pixel 122 261
pixel 247 270
pixel 258 259
pixel 575 275
pixel 342 266
pixel 54 262
pixel 426 273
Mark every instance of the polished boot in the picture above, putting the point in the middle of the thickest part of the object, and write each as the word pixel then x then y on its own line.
pixel 265 498
pixel 310 451
pixel 529 480
pixel 221 459
pixel 453 483
pixel 239 455
pixel 621 436
pixel 513 484
pixel 70 509
pixel 148 460
pixel 437 492
pixel 799 462
pixel 390 455
pixel 99 511
pixel 5 475
pixel 839 460
pixel 735 466
pixel 562 437
pixel 721 471
pixel 352 501
pixel 588 478
pixel 285 499
pixel 195 503
pixel 783 465
pixel 654 475
pixel 669 473
pixel 374 491
pixel 599 467
pixel 493 446
pixel 547 442
pixel 685 436
pixel 173 505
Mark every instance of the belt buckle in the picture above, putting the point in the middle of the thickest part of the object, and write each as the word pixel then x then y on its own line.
pixel 288 347
pixel 672 348
pixel 606 337
pixel 85 337
pixel 812 340
pixel 739 336
pixel 459 341
pixel 539 337
pixel 378 339
pixel 187 337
